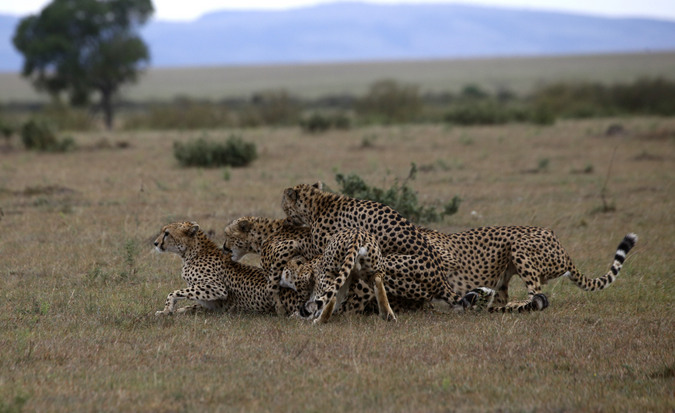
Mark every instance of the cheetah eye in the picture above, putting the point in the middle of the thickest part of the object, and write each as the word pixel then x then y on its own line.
pixel 166 233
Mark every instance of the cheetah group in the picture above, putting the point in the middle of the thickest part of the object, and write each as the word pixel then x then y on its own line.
pixel 334 254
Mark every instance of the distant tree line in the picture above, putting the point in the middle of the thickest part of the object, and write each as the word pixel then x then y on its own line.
pixel 386 102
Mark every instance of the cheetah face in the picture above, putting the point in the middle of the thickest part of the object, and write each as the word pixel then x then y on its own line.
pixel 240 238
pixel 298 275
pixel 288 279
pixel 176 237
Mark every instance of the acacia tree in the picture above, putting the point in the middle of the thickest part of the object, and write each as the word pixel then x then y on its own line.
pixel 80 47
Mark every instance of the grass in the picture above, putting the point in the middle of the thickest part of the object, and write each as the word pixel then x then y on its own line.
pixel 519 75
pixel 80 282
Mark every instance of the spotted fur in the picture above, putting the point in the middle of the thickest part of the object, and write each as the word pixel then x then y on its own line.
pixel 280 244
pixel 490 256
pixel 351 255
pixel 276 240
pixel 214 280
pixel 415 270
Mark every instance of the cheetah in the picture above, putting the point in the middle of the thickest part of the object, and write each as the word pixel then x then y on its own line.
pixel 415 270
pixel 490 256
pixel 276 240
pixel 215 281
pixel 281 243
pixel 350 255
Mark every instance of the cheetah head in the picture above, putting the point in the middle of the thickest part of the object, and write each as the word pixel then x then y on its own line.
pixel 299 275
pixel 242 237
pixel 298 201
pixel 178 237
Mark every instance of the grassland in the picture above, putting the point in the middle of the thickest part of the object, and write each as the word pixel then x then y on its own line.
pixel 79 281
pixel 519 75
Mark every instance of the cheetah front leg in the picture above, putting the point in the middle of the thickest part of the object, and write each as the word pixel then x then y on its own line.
pixel 194 292
pixel 273 290
pixel 335 290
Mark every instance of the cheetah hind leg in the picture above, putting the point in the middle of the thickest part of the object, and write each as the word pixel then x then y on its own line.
pixel 386 313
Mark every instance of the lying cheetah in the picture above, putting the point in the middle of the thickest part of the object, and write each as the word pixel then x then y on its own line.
pixel 490 256
pixel 214 280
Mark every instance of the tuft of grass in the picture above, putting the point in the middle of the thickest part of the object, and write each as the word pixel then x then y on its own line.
pixel 130 255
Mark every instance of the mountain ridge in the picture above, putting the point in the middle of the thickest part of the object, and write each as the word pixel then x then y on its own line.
pixel 355 31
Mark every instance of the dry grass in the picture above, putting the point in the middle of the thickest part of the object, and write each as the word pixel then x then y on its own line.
pixel 519 74
pixel 80 284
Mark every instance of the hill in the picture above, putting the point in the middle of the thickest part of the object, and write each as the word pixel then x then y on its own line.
pixel 342 32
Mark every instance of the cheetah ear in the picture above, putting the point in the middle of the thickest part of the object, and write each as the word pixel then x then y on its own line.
pixel 192 228
pixel 318 185
pixel 244 226
pixel 291 194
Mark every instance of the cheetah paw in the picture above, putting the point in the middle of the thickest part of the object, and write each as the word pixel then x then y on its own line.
pixel 478 298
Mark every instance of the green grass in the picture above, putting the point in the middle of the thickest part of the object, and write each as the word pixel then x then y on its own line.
pixel 80 282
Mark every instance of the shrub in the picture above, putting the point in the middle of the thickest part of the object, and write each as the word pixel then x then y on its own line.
pixel 275 107
pixel 390 102
pixel 68 118
pixel 183 114
pixel 202 152
pixel 646 96
pixel 399 196
pixel 318 123
pixel 482 113
pixel 473 92
pixel 40 136
pixel 6 130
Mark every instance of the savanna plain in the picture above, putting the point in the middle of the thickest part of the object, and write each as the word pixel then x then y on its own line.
pixel 79 281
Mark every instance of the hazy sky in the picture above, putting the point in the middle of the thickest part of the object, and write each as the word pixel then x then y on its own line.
pixel 191 9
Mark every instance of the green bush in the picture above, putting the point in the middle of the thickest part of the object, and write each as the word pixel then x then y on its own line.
pixel 202 152
pixel 182 114
pixel 399 196
pixel 40 136
pixel 274 107
pixel 482 113
pixel 6 129
pixel 645 96
pixel 318 123
pixel 65 117
pixel 390 102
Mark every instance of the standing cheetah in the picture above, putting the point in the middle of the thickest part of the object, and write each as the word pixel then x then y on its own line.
pixel 417 271
pixel 490 256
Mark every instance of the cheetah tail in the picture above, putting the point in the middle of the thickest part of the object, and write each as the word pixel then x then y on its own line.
pixel 594 284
